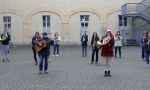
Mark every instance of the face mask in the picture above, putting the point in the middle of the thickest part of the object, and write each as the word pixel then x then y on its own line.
pixel 44 36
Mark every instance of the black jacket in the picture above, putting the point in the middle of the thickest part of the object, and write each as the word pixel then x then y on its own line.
pixel 34 40
pixel 147 46
pixel 84 40
pixel 6 42
pixel 46 50
pixel 94 40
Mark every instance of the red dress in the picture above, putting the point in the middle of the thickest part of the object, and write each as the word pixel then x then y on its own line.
pixel 107 50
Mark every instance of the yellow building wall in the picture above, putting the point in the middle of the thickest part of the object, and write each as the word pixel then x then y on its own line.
pixel 65 17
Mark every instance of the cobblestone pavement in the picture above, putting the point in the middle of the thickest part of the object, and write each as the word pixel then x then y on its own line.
pixel 70 71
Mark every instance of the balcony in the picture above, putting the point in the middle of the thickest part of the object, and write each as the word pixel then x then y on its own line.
pixel 137 9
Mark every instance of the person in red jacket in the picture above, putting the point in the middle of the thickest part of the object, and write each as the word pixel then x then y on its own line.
pixel 107 51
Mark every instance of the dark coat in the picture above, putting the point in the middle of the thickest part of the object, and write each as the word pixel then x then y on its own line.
pixel 34 41
pixel 147 46
pixel 46 50
pixel 84 40
pixel 93 41
pixel 6 42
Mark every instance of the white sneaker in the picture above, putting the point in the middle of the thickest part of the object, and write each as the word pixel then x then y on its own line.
pixel 53 55
pixel 57 55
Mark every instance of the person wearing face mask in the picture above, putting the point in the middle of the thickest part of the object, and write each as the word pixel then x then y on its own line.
pixel 118 43
pixel 84 40
pixel 5 45
pixel 56 44
pixel 44 54
pixel 147 48
pixel 34 38
pixel 95 49
pixel 107 51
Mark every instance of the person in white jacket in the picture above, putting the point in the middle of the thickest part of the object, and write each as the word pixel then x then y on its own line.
pixel 56 44
pixel 118 43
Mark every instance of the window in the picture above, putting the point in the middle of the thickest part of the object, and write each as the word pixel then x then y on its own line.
pixel 84 20
pixel 122 21
pixel 46 23
pixel 7 23
pixel 125 21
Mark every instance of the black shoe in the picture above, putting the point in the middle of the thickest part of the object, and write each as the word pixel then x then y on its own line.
pixel 105 73
pixel 36 64
pixel 91 62
pixel 8 60
pixel 3 60
pixel 120 57
pixel 109 73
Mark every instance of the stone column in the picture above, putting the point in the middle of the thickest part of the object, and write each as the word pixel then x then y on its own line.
pixel 26 32
pixel 65 33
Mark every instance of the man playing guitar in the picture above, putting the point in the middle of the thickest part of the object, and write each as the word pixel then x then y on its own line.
pixel 43 48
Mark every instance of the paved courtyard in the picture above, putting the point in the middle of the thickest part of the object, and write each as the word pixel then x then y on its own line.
pixel 70 71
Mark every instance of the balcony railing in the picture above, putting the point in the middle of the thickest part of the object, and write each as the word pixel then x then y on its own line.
pixel 130 8
pixel 146 2
pixel 137 9
pixel 146 12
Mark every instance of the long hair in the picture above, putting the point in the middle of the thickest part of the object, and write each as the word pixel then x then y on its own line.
pixel 37 33
pixel 56 33
pixel 111 35
pixel 117 33
pixel 146 34
pixel 94 36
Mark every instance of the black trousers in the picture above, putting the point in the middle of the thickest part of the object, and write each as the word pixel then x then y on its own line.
pixel 117 48
pixel 84 50
pixel 94 52
pixel 35 55
pixel 143 52
pixel 43 59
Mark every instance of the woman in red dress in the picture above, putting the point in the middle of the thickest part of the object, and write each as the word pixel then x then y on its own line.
pixel 107 51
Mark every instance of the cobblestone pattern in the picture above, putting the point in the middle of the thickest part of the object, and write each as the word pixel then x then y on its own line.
pixel 70 71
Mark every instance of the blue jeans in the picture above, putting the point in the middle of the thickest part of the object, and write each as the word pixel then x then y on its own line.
pixel 43 58
pixel 5 51
pixel 117 48
pixel 147 56
pixel 84 51
pixel 56 47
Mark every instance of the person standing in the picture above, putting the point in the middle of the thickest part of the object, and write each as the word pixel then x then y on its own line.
pixel 95 49
pixel 84 40
pixel 34 39
pixel 107 51
pixel 142 43
pixel 44 52
pixel 5 45
pixel 118 44
pixel 56 44
pixel 147 48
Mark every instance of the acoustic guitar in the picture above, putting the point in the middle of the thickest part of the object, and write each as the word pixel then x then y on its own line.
pixel 40 45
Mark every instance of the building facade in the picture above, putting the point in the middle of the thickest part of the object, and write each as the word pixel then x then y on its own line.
pixel 70 18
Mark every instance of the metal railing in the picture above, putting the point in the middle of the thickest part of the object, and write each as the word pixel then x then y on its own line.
pixel 137 9
pixel 146 2
pixel 130 8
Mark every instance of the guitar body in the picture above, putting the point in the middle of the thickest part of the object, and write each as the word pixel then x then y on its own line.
pixel 41 44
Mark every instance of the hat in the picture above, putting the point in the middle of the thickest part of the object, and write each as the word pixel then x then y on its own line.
pixel 44 33
pixel 108 30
